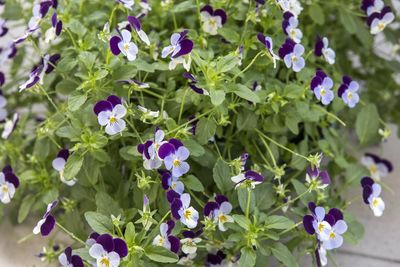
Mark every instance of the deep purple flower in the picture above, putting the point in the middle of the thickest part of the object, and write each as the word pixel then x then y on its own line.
pixel 135 23
pixel 181 210
pixel 371 192
pixel 173 183
pixel 267 42
pixel 348 92
pixel 190 241
pixel 174 155
pixel 377 166
pixel 122 44
pixel 179 49
pixel 9 182
pixel 108 251
pixel 289 25
pixel 45 66
pixel 192 84
pixel 66 259
pixel 47 223
pixel 59 165
pixel 193 124
pixel 3 28
pixel 149 151
pixel 322 49
pixel 291 53
pixel 322 85
pixel 321 178
pixel 212 19
pixel 249 178
pixel 10 126
pixel 55 30
pixel 110 113
pixel 215 259
pixel 219 211
pixel 165 239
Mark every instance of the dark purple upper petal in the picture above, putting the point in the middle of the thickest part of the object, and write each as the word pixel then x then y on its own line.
pixel 208 9
pixel 388 164
pixel 165 150
pixel 220 199
pixel 315 82
pixel 346 79
pixel 44 7
pixel 175 243
pixel 371 18
pixel 342 89
pixel 94 235
pixel 365 4
pixel 2 78
pixel 114 100
pixel 54 19
pixel 367 181
pixel 188 234
pixel 114 41
pixel 102 105
pixel 189 76
pixel 48 225
pixel 59 27
pixel 313 172
pixel 52 62
pixel 312 206
pixel 222 14
pixel 330 219
pixel 325 179
pixel 175 207
pixel 196 89
pixel 367 191
pixel 68 253
pixel 336 213
pixel 308 224
pixel 120 247
pixel 254 176
pixel 374 157
pixel 175 142
pixel 106 241
pixel 171 226
pixel 286 48
pixel 76 261
pixel 261 38
pixel 209 207
pixel 12 178
pixel 186 48
pixel 64 153
pixel 172 195
pixel 318 47
pixel 135 23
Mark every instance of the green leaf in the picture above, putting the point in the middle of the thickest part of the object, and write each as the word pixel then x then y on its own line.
pixel 283 254
pixel 107 205
pixel 99 222
pixel 242 197
pixel 206 128
pixel 130 233
pixel 25 207
pixel 245 93
pixel 76 100
pixel 196 150
pixel 161 254
pixel 226 63
pixel 217 97
pixel 347 20
pixel 265 196
pixel 222 176
pixel 73 166
pixel 278 222
pixel 88 59
pixel 300 189
pixel 367 123
pixel 317 14
pixel 229 34
pixel 242 221
pixel 193 183
pixel 247 257
pixel 76 27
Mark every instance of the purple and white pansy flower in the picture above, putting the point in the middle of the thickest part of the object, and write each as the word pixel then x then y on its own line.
pixel 3 27
pixel 108 251
pixel 190 241
pixel 348 92
pixel 248 178
pixel 377 166
pixel 3 104
pixel 122 44
pixel 322 86
pixel 317 178
pixel 47 223
pixel 179 50
pixel 127 3
pixel 55 30
pixel 10 126
pixel 378 15
pixel 267 42
pixel 212 19
pixel 165 239
pixel 174 155
pixel 292 53
pixel 219 211
pixel 181 210
pixel 67 259
pixel 322 49
pixel 9 182
pixel 110 113
pixel 192 84
pixel 292 6
pixel 59 164
pixel 135 23
pixel 371 196
pixel 170 182
pixel 149 151
pixel 289 25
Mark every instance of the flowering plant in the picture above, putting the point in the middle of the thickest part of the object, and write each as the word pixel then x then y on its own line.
pixel 213 133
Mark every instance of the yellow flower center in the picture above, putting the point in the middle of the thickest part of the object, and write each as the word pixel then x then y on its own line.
pixel 105 261
pixel 113 120
pixel 321 227
pixel 212 22
pixel 375 202
pixel 161 241
pixel 373 169
pixel 187 214
pixel 176 163
pixel 294 59
pixel 222 218
pixel 4 189
pixel 332 235
pixel 381 26
pixel 323 92
pixel 293 33
pixel 350 95
pixel 126 47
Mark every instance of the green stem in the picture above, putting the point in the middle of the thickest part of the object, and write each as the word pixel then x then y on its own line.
pixel 189 122
pixel 182 105
pixel 248 202
pixel 134 129
pixel 290 201
pixel 330 114
pixel 269 152
pixel 72 235
pixel 248 66
pixel 291 228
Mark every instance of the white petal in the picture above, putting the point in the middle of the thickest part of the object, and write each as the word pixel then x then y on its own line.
pixel 97 251
pixel 119 111
pixel 58 164
pixel 143 36
pixel 126 36
pixel 104 117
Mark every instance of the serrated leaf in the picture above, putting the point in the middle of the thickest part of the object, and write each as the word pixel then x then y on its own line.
pixel 206 128
pixel 99 222
pixel 222 176
pixel 73 166
pixel 245 93
pixel 76 100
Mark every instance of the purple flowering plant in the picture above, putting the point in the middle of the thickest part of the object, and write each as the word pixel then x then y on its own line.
pixel 198 133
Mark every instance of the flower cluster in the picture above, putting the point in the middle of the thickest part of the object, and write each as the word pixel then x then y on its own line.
pixel 377 166
pixel 110 113
pixel 9 182
pixel 289 26
pixel 371 196
pixel 378 15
